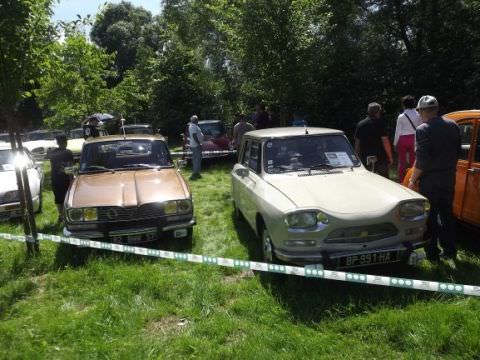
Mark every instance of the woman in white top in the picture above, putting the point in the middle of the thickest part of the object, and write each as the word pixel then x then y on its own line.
pixel 404 141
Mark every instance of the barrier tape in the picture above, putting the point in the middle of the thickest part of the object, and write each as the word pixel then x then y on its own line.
pixel 214 152
pixel 307 271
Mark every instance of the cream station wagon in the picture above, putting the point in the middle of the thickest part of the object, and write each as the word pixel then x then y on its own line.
pixel 310 200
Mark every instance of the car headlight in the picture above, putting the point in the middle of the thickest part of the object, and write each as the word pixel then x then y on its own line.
pixel 90 214
pixel 11 196
pixel 413 210
pixel 171 207
pixel 304 219
pixel 75 214
pixel 184 206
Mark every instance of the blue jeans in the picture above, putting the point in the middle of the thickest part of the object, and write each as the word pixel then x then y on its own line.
pixel 196 159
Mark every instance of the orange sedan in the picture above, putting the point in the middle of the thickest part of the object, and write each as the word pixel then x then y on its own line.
pixel 466 206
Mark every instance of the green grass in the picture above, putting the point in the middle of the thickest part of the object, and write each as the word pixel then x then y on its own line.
pixel 80 303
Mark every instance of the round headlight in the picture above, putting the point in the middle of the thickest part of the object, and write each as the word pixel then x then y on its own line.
pixel 413 209
pixel 75 214
pixel 184 206
pixel 301 219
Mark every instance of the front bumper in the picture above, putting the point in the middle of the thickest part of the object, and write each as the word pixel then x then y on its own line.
pixel 331 259
pixel 14 210
pixel 139 234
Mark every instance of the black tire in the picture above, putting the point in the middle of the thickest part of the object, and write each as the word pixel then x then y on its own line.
pixel 267 249
pixel 40 201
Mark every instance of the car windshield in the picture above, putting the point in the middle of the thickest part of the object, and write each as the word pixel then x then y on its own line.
pixel 215 129
pixel 138 130
pixel 76 134
pixel 124 154
pixel 308 152
pixel 8 160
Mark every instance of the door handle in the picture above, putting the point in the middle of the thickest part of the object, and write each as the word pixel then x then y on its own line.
pixel 474 170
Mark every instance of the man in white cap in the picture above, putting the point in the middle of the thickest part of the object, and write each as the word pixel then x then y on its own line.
pixel 438 147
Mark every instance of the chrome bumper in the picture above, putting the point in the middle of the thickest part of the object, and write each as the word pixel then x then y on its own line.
pixel 316 257
pixel 93 234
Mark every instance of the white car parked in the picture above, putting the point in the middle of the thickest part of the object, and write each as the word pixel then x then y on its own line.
pixel 311 201
pixel 40 142
pixel 9 195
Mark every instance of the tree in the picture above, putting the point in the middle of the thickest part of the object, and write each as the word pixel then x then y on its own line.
pixel 120 28
pixel 72 85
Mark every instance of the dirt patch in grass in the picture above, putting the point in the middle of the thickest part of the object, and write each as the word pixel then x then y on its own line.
pixel 167 327
pixel 236 278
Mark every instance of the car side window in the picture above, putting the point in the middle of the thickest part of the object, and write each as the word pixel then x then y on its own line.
pixel 246 153
pixel 254 162
pixel 466 139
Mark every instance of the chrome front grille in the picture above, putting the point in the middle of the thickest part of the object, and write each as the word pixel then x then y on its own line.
pixel 116 213
pixel 361 234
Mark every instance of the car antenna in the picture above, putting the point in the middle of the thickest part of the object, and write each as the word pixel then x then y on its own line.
pixel 306 130
pixel 122 121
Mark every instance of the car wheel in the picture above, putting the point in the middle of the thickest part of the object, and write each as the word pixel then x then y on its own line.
pixel 268 255
pixel 40 201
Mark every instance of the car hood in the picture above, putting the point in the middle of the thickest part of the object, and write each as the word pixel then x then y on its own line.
pixel 30 145
pixel 127 188
pixel 348 192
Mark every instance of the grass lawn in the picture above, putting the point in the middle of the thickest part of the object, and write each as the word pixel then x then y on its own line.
pixel 80 303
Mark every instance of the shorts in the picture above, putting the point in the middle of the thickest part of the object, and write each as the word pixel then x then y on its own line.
pixel 60 189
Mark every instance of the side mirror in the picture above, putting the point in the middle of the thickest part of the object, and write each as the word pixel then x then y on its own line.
pixel 71 170
pixel 242 172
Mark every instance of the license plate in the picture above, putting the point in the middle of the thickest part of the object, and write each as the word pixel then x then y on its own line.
pixel 383 257
pixel 134 238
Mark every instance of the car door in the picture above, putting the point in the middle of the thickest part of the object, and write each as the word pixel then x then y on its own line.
pixel 471 200
pixel 238 183
pixel 251 182
pixel 466 135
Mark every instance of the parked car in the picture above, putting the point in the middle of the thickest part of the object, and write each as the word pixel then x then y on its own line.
pixel 76 140
pixel 467 188
pixel 215 138
pixel 311 201
pixel 9 195
pixel 139 129
pixel 4 137
pixel 40 142
pixel 128 191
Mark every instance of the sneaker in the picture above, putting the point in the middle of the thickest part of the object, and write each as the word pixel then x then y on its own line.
pixel 444 256
pixel 195 177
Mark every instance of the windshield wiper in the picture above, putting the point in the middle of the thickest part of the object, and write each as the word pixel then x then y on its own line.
pixel 142 166
pixel 322 165
pixel 97 168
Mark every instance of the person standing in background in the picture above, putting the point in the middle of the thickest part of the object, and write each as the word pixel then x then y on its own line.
pixel 196 139
pixel 404 140
pixel 260 118
pixel 60 158
pixel 372 143
pixel 438 147
pixel 240 128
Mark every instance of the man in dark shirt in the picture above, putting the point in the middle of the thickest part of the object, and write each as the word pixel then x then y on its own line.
pixel 59 159
pixel 438 147
pixel 372 142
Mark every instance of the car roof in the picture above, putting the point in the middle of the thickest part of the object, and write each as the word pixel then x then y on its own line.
pixel 290 131
pixel 209 121
pixel 464 114
pixel 137 125
pixel 125 137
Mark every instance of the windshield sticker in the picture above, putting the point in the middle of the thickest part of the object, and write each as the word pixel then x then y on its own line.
pixel 269 145
pixel 338 159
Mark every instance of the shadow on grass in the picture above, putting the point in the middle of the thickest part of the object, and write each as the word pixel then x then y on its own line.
pixel 75 256
pixel 313 300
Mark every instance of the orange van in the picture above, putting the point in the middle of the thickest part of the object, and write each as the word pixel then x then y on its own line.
pixel 466 206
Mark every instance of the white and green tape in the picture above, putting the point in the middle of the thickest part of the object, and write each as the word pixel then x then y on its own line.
pixel 311 272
